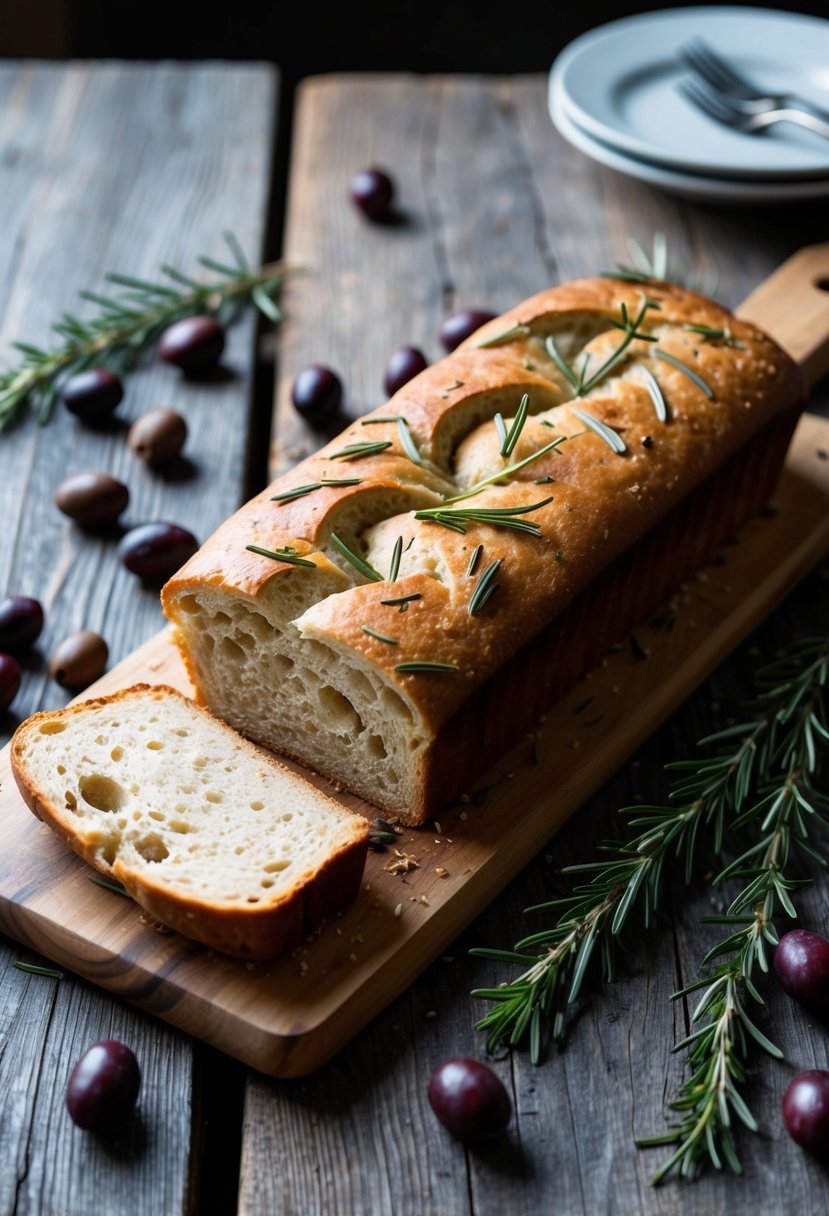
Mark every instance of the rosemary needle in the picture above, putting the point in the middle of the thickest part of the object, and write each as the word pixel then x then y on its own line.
pixel 359 563
pixel 282 555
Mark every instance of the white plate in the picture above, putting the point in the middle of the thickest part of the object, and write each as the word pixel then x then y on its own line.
pixel 620 86
pixel 687 185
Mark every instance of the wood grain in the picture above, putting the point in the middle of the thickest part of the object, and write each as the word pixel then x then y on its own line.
pixel 287 1017
pixel 362 1136
pixel 111 167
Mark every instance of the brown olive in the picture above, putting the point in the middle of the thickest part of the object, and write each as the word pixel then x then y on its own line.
pixel 78 660
pixel 92 498
pixel 157 436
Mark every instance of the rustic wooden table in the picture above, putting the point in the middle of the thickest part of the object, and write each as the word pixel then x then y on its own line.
pixel 115 167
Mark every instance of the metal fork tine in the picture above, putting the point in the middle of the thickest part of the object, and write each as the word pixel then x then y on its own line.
pixel 696 56
pixel 712 105
pixel 708 59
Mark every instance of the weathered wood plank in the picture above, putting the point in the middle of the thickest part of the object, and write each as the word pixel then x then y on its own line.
pixel 538 212
pixel 111 167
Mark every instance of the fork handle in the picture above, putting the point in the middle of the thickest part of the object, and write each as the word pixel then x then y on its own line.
pixel 803 118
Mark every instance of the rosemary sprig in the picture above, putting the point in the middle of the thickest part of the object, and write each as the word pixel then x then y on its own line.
pixel 494 478
pixel 580 381
pixel 359 563
pixel 787 725
pixel 786 807
pixel 127 324
pixel 458 518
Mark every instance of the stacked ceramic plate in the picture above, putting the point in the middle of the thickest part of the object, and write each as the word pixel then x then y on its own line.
pixel 615 94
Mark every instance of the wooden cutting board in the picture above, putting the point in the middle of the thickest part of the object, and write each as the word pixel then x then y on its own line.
pixel 289 1016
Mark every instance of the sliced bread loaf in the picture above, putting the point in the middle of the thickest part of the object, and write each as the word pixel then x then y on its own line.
pixel 211 836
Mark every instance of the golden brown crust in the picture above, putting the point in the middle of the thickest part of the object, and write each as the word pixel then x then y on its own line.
pixel 602 503
pixel 254 933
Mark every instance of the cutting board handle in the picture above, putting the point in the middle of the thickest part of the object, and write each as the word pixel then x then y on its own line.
pixel 793 306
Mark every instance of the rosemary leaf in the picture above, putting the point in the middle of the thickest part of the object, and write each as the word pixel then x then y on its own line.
pixel 667 357
pixel 424 667
pixel 380 637
pixel 396 555
pixel 354 450
pixel 652 385
pixel 359 563
pixel 612 438
pixel 516 332
pixel 514 433
pixel 485 588
pixel 474 559
pixel 407 441
pixel 501 428
pixel 109 885
pixel 282 555
pixel 562 364
pixel 35 969
pixel 403 600
pixel 385 418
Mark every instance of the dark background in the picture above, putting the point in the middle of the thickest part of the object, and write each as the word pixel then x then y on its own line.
pixel 304 37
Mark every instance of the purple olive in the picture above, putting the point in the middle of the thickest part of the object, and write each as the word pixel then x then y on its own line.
pixel 155 551
pixel 469 1100
pixel 404 364
pixel 372 191
pixel 9 680
pixel 806 1111
pixel 461 325
pixel 194 344
pixel 92 396
pixel 103 1087
pixel 92 499
pixel 801 961
pixel 21 622
pixel 317 393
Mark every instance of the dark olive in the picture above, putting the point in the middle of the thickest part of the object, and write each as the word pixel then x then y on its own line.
pixel 92 396
pixel 158 435
pixel 21 622
pixel 194 344
pixel 9 680
pixel 801 960
pixel 470 1100
pixel 155 551
pixel 372 191
pixel 92 499
pixel 404 364
pixel 103 1087
pixel 79 660
pixel 461 325
pixel 806 1111
pixel 317 393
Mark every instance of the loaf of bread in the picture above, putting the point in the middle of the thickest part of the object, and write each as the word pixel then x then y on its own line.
pixel 401 606
pixel 210 835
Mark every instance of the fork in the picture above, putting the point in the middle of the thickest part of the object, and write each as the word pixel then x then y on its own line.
pixel 724 110
pixel 744 94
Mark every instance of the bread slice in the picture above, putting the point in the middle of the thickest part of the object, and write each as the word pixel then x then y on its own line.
pixel 214 838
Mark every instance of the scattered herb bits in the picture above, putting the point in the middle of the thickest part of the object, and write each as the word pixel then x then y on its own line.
pixel 21 622
pixel 317 394
pixel 92 499
pixel 158 436
pixel 372 192
pixel 103 1087
pixel 93 396
pixel 469 1100
pixel 79 660
pixel 194 344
